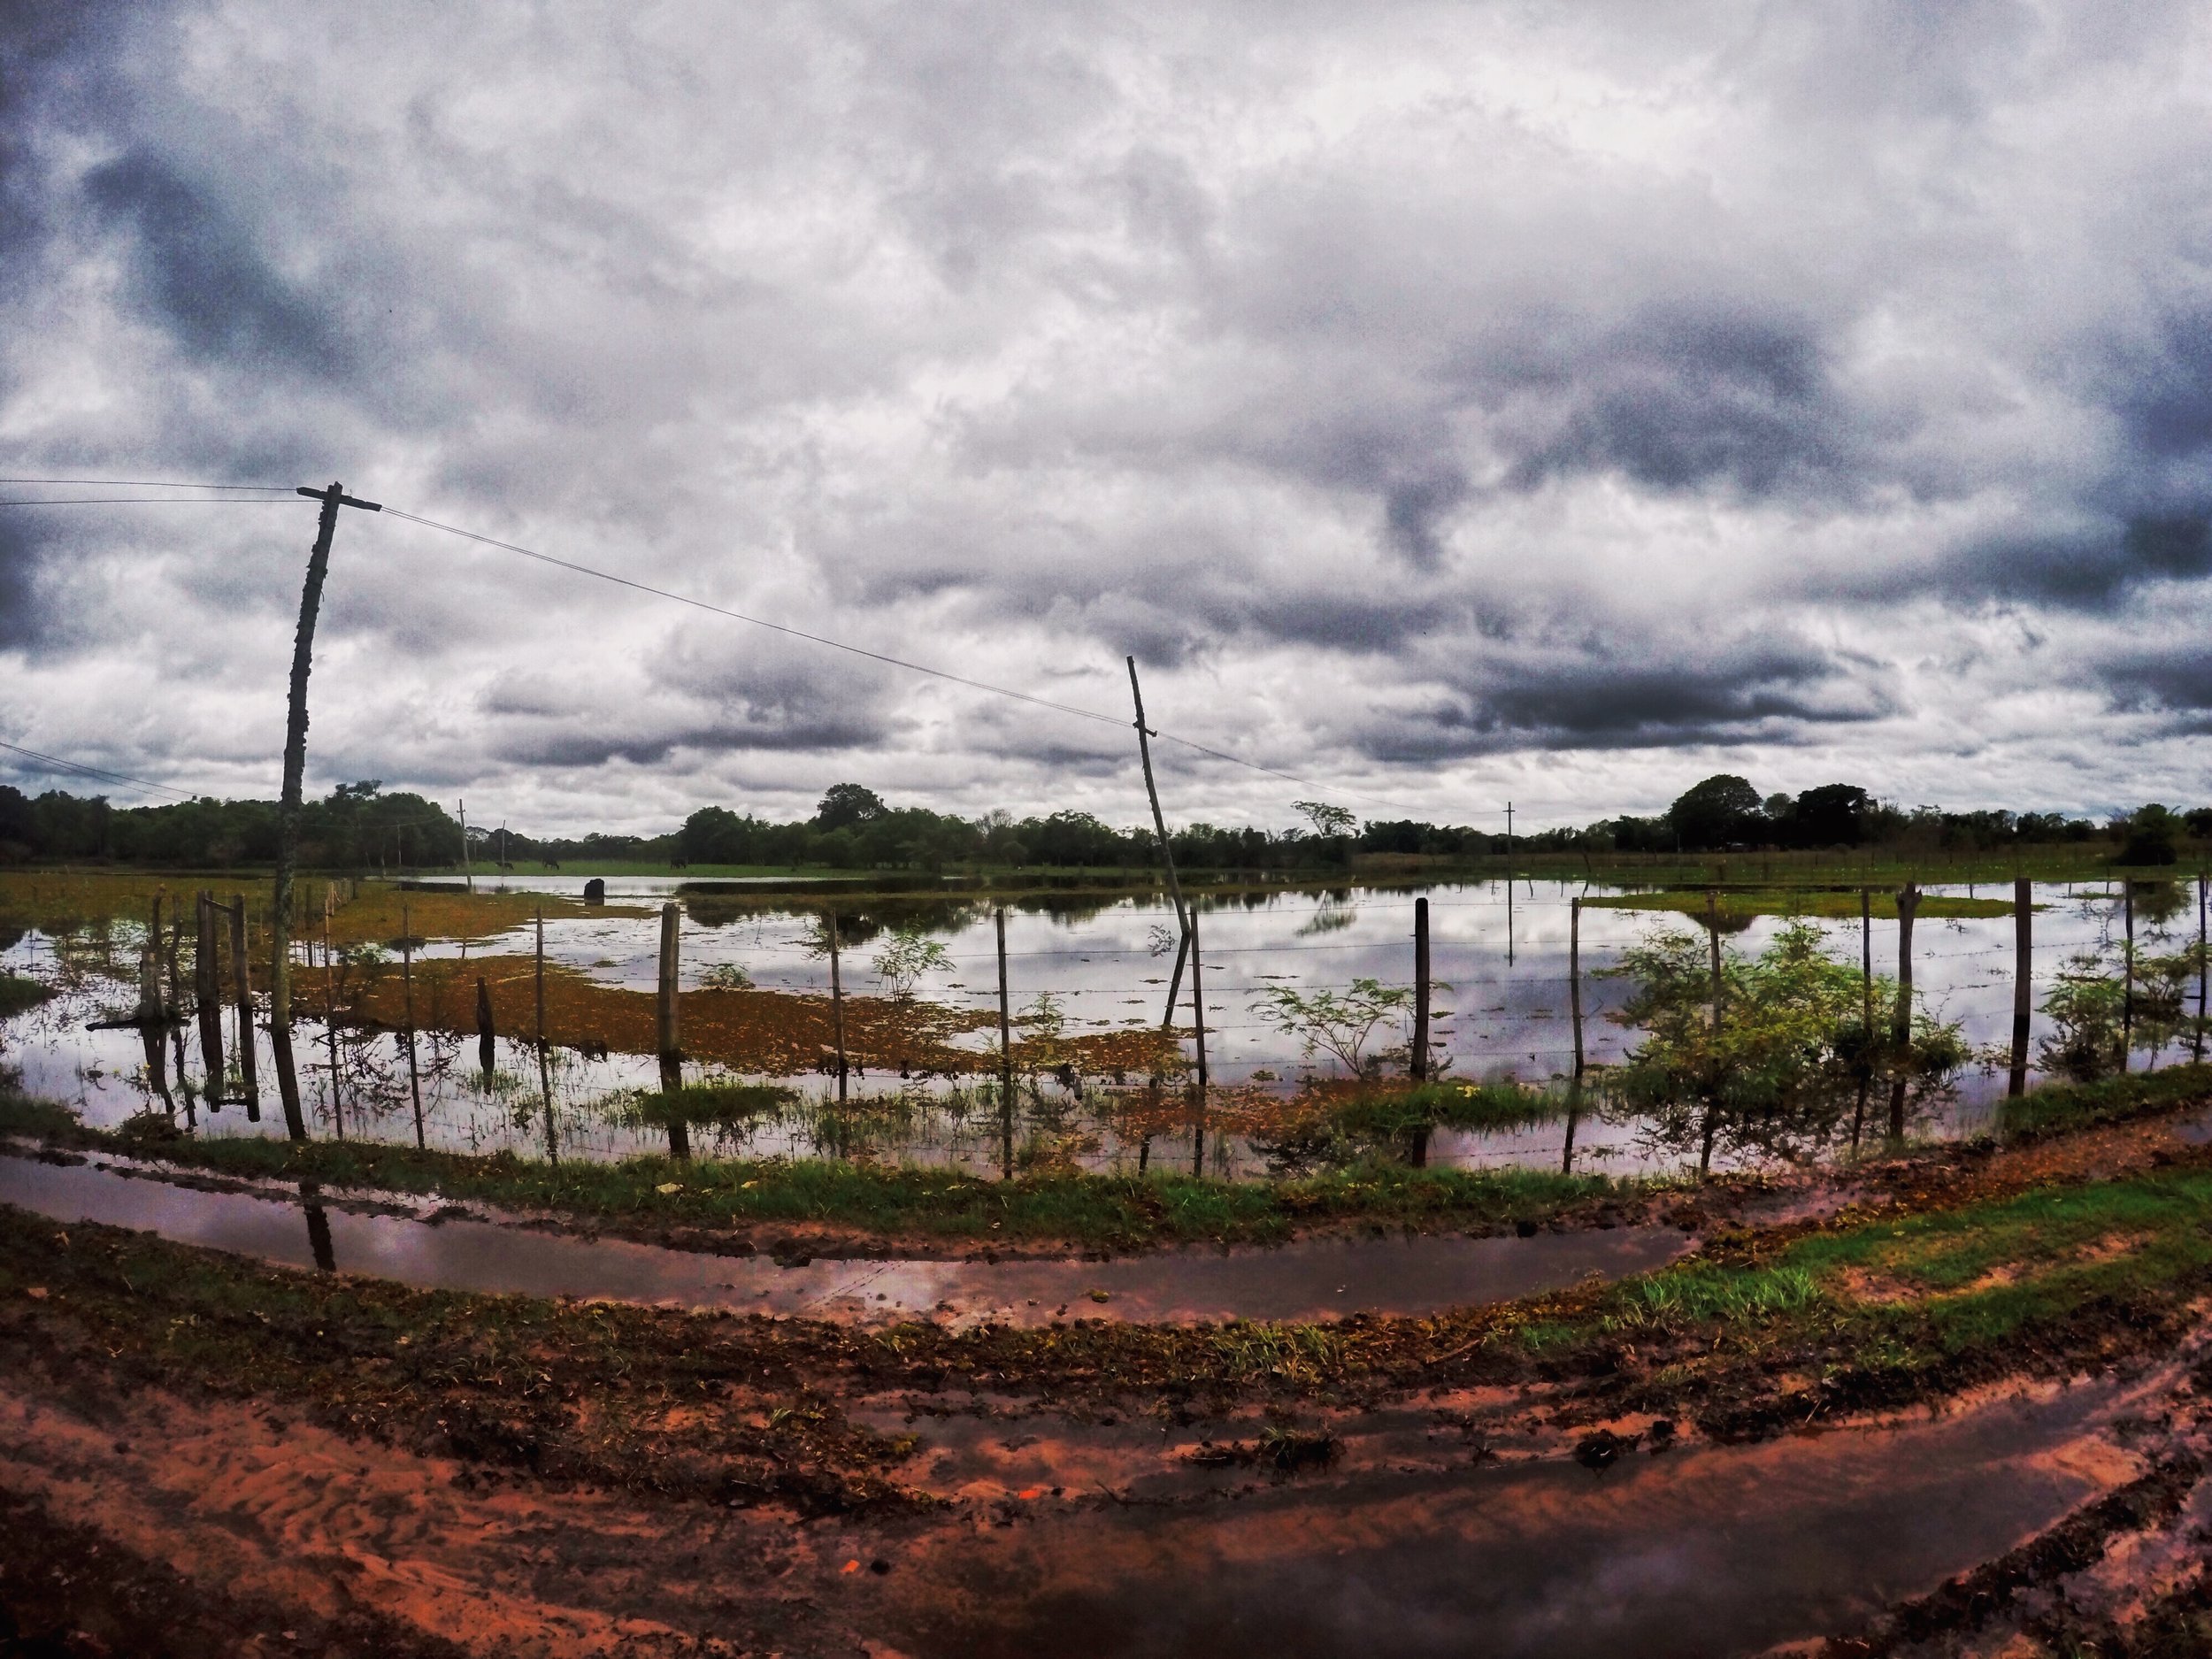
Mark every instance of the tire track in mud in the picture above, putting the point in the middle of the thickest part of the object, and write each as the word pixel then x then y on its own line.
pixel 293 1513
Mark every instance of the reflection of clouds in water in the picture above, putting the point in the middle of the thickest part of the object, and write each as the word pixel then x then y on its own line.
pixel 1505 1019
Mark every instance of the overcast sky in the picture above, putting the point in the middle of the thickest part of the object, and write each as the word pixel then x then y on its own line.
pixel 1444 404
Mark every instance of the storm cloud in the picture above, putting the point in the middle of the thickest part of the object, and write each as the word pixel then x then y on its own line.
pixel 1444 404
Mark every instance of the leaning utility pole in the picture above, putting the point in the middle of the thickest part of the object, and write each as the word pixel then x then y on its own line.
pixel 288 809
pixel 1167 853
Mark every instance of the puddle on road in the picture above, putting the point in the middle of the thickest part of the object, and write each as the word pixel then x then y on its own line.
pixel 1314 1279
pixel 1713 1551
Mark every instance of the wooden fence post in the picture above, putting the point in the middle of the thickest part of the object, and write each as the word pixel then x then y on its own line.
pixel 1419 1066
pixel 2127 972
pixel 669 1030
pixel 207 996
pixel 1005 1054
pixel 1198 1028
pixel 2023 984
pixel 241 979
pixel 1901 1029
pixel 837 1006
pixel 1574 994
pixel 407 993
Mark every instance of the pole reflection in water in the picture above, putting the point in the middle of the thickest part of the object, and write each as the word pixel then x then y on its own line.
pixel 318 1228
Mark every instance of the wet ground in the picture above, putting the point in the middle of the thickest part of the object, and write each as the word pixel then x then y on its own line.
pixel 1314 1279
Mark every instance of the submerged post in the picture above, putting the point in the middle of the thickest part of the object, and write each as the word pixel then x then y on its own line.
pixel 837 1006
pixel 1574 997
pixel 1901 1029
pixel 407 994
pixel 150 1010
pixel 241 980
pixel 1419 1067
pixel 1198 1030
pixel 2023 984
pixel 288 806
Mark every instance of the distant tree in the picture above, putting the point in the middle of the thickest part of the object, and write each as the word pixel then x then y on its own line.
pixel 1833 815
pixel 845 805
pixel 1325 819
pixel 1723 809
pixel 2151 835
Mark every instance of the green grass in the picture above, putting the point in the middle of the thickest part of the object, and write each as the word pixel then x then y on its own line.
pixel 2060 1108
pixel 1088 1211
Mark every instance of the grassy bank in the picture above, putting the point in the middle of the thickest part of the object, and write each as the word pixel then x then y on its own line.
pixel 659 1194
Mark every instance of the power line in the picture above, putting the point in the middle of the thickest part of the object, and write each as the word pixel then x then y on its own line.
pixel 151 483
pixel 94 772
pixel 149 500
pixel 895 661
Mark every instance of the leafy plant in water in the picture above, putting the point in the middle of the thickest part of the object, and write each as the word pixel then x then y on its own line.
pixel 906 956
pixel 1340 1023
pixel 2088 1005
pixel 725 976
pixel 1789 1055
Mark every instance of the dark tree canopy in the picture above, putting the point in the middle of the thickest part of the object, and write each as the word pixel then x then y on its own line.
pixel 847 804
pixel 1723 810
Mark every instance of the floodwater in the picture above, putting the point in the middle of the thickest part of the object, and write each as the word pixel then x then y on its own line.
pixel 1498 948
pixel 1314 1278
pixel 1700 1552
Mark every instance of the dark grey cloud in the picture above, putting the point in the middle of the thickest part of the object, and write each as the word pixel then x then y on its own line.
pixel 200 270
pixel 1422 396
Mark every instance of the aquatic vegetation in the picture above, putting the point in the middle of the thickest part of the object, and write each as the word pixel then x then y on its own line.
pixel 1339 1024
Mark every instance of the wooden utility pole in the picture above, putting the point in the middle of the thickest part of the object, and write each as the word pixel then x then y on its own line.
pixel 288 806
pixel 1167 853
pixel 407 993
pixel 837 1006
pixel 468 873
pixel 2023 984
pixel 1005 1053
pixel 1901 1029
pixel 1574 990
pixel 1419 1066
pixel 241 980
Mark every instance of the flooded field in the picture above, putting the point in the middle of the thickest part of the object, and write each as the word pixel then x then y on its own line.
pixel 1100 1087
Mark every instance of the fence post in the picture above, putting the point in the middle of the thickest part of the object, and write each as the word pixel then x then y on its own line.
pixel 1005 1054
pixel 1198 1012
pixel 2023 984
pixel 487 1054
pixel 837 1006
pixel 1574 994
pixel 2127 972
pixel 2201 969
pixel 1901 1029
pixel 1712 929
pixel 330 1019
pixel 669 1031
pixel 1420 1060
pixel 407 992
pixel 242 978
pixel 207 996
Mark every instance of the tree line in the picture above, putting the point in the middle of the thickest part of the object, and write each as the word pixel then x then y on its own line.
pixel 359 826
